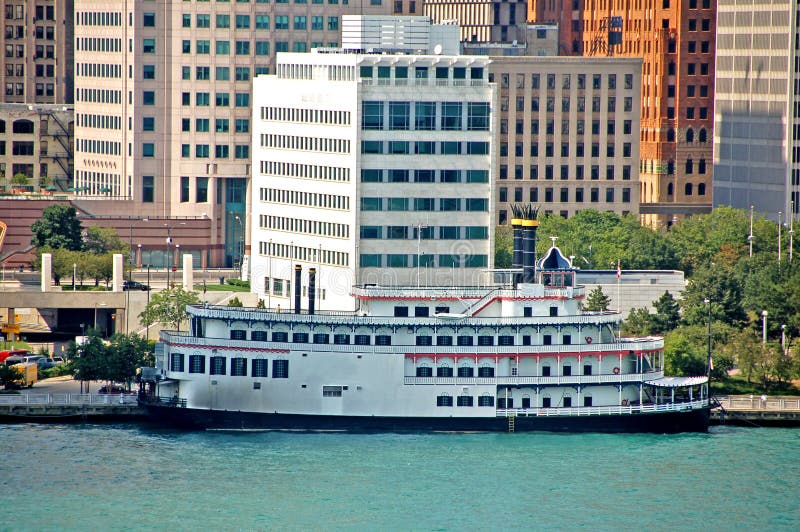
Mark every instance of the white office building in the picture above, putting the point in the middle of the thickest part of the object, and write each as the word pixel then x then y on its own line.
pixel 371 168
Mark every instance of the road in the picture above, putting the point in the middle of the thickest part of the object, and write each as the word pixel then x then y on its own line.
pixel 65 384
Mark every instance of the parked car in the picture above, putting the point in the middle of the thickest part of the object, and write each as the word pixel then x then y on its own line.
pixel 45 363
pixel 22 359
pixel 135 285
pixel 59 361
pixel 112 389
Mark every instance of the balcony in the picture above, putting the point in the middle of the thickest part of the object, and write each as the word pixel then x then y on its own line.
pixel 603 410
pixel 536 381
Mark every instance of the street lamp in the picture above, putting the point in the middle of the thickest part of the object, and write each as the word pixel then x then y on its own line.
pixel 708 360
pixel 74 274
pixel 783 337
pixel 239 241
pixel 764 326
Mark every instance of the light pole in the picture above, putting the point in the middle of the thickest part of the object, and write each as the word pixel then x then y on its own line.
pixel 269 283
pixel 167 261
pixel 239 241
pixel 148 298
pixel 783 337
pixel 74 274
pixel 780 214
pixel 764 326
pixel 708 359
pixel 750 237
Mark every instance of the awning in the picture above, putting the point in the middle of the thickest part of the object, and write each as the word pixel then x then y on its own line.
pixel 677 382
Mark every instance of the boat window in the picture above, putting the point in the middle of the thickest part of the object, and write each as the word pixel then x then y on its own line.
pixel 444 400
pixel 526 339
pixel 341 339
pixel 547 339
pixel 441 310
pixel 238 367
pixel 587 401
pixel 321 338
pixel 503 402
pixel 176 361
pixel 465 340
pixel 424 340
pixel 527 312
pixel 217 366
pixel 546 402
pixel 258 336
pixel 421 312
pixel 545 371
pixel 383 339
pixel 401 312
pixel 485 400
pixel 197 364
pixel 280 369
pixel 567 370
pixel 485 340
pixel 505 339
pixel 424 371
pixel 553 311
pixel 238 334
pixel 568 402
pixel 331 391
pixel 566 339
pixel 444 371
pixel 486 372
pixel 259 368
pixel 280 336
pixel 464 400
pixel 466 371
pixel 526 401
pixel 444 340
pixel 587 369
pixel 300 338
pixel 362 339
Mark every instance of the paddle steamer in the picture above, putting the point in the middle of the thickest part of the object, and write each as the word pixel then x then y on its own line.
pixel 518 356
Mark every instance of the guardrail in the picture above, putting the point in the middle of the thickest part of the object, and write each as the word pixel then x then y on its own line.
pixel 68 399
pixel 516 380
pixel 602 410
pixel 755 402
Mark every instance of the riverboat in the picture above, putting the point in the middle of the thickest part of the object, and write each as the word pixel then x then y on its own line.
pixel 520 355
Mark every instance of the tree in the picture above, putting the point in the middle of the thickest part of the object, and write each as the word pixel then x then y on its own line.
pixel 168 307
pixel 503 246
pixel 682 356
pixel 719 285
pixel 19 179
pixel 127 352
pixel 597 300
pixel 639 322
pixel 667 315
pixel 58 228
pixel 101 240
pixel 235 302
pixel 89 357
pixel 8 375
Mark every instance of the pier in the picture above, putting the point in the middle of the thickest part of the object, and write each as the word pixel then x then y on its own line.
pixel 752 410
pixel 58 407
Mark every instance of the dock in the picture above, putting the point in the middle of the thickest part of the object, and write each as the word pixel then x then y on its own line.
pixel 747 410
pixel 67 407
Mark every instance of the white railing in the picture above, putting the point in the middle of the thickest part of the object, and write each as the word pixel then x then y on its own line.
pixel 609 350
pixel 522 380
pixel 745 402
pixel 67 399
pixel 602 410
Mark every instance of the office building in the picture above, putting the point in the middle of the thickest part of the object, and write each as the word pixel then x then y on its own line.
pixel 37 55
pixel 482 21
pixel 568 134
pixel 757 107
pixel 371 168
pixel 163 104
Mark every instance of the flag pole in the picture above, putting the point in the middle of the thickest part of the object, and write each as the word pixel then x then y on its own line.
pixel 619 299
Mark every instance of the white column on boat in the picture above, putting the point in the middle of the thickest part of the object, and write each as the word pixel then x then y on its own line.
pixel 673 395
pixel 690 394
pixel 640 394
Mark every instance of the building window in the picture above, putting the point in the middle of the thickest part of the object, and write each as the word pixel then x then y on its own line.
pixel 148 189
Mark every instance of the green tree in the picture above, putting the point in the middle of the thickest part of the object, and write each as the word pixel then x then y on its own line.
pixel 235 302
pixel 682 356
pixel 90 357
pixel 503 246
pixel 8 375
pixel 58 228
pixel 722 289
pixel 20 179
pixel 102 240
pixel 127 352
pixel 168 307
pixel 596 300
pixel 667 315
pixel 639 322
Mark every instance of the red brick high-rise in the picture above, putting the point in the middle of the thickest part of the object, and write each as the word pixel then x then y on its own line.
pixel 676 40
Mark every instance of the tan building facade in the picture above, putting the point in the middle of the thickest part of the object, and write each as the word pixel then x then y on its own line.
pixel 482 20
pixel 568 134
pixel 163 101
pixel 35 141
pixel 37 49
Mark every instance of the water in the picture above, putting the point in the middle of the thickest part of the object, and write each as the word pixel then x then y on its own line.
pixel 125 477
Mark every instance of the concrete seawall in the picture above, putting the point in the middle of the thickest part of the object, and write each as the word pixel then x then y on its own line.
pixel 746 410
pixel 69 407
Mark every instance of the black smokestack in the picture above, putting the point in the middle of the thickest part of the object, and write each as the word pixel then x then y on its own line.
pixel 312 289
pixel 298 270
pixel 529 225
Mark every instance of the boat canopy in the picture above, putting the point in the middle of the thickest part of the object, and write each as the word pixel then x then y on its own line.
pixel 677 382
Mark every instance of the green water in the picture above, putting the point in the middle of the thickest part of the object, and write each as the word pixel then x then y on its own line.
pixel 120 477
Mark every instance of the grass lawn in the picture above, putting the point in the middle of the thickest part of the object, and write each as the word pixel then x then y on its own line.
pixel 738 385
